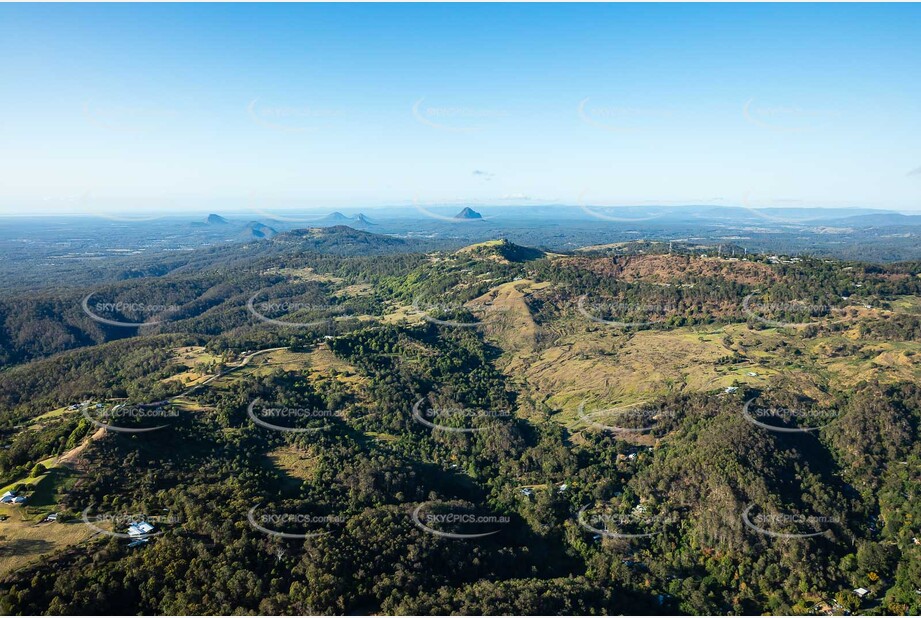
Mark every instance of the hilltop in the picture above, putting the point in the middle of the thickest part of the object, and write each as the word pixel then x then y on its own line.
pixel 342 240
pixel 502 249
pixel 468 213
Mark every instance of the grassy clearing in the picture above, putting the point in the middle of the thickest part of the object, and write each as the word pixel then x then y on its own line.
pixel 304 274
pixel 403 313
pixel 353 291
pixel 22 541
pixel 608 366
pixel 51 416
pixel 295 464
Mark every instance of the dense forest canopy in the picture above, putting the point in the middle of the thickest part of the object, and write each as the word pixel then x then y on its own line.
pixel 336 424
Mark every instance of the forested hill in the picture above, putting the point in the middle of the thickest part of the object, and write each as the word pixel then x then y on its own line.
pixel 334 422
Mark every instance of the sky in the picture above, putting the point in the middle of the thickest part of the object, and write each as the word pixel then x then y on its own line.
pixel 178 107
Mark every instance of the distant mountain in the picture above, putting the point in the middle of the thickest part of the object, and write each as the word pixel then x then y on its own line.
pixel 468 213
pixel 336 217
pixel 216 220
pixel 260 230
pixel 878 219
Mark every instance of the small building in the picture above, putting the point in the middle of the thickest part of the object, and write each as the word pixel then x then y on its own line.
pixel 527 491
pixel 563 487
pixel 51 517
pixel 861 592
pixel 139 528
pixel 11 498
pixel 137 542
pixel 731 389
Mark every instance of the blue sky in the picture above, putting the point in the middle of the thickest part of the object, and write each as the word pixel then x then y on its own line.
pixel 188 106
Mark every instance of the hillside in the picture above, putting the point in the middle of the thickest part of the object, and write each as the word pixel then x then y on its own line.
pixel 502 249
pixel 598 406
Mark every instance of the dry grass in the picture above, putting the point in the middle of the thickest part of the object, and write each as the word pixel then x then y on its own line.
pixel 303 274
pixel 23 542
pixel 506 317
pixel 296 464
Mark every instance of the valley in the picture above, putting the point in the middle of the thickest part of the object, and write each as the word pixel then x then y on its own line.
pixel 617 410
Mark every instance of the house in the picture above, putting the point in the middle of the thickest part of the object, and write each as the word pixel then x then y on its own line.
pixel 861 592
pixel 11 498
pixel 137 542
pixel 731 389
pixel 51 517
pixel 752 374
pixel 139 528
pixel 527 491
pixel 563 487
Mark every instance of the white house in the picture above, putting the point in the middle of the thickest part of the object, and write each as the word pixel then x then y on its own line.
pixel 861 592
pixel 139 528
